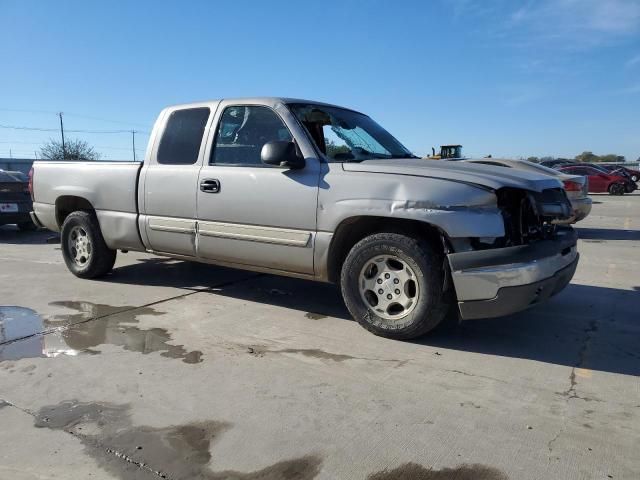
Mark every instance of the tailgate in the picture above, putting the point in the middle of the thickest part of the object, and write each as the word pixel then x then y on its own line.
pixel 13 192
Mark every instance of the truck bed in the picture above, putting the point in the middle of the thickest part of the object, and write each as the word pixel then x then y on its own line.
pixel 110 188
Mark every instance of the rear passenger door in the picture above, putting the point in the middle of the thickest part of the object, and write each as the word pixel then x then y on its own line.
pixel 250 213
pixel 170 182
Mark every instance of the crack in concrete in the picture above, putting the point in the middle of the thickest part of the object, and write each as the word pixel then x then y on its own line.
pixel 571 392
pixel 87 441
pixel 467 374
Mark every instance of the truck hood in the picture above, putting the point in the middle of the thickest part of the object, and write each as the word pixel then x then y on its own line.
pixel 484 175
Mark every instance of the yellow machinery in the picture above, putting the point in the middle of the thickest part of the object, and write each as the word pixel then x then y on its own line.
pixel 447 152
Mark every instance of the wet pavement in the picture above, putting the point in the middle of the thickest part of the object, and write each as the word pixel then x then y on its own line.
pixel 26 334
pixel 166 369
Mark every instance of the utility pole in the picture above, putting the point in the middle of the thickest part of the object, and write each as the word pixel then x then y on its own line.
pixel 64 152
pixel 133 142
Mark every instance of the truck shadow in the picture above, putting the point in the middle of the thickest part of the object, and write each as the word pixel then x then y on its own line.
pixel 316 299
pixel 588 327
pixel 10 235
pixel 607 234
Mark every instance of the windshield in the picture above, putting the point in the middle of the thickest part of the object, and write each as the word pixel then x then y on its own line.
pixel 347 136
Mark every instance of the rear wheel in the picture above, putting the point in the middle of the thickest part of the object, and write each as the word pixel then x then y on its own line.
pixel 616 189
pixel 83 247
pixel 392 285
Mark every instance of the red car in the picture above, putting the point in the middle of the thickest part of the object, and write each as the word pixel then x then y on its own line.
pixel 599 182
pixel 634 175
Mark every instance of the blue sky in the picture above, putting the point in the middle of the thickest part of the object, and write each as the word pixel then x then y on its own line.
pixel 506 77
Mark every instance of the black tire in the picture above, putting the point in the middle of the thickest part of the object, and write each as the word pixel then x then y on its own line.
pixel 100 258
pixel 427 264
pixel 27 226
pixel 634 178
pixel 616 189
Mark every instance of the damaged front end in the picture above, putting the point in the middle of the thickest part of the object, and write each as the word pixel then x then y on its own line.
pixel 535 259
pixel 528 216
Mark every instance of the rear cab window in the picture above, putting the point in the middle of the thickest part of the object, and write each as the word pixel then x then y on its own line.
pixel 182 136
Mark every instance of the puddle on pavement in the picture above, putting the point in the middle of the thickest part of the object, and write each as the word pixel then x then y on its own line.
pixel 90 326
pixel 177 452
pixel 414 471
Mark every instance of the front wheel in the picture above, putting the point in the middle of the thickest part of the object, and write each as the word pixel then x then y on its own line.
pixel 616 189
pixel 392 285
pixel 83 247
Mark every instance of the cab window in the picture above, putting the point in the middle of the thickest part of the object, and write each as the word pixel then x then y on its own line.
pixel 243 131
pixel 182 137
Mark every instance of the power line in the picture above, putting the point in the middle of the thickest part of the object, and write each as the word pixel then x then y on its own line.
pixel 38 129
pixel 106 147
pixel 74 115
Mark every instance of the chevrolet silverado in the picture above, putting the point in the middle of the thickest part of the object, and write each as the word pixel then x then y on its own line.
pixel 320 192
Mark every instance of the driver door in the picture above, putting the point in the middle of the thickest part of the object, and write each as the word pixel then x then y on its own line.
pixel 250 213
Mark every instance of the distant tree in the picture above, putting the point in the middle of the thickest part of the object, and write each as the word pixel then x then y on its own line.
pixel 533 159
pixel 591 157
pixel 333 149
pixel 586 157
pixel 73 150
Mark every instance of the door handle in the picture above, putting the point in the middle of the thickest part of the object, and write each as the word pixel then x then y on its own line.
pixel 210 185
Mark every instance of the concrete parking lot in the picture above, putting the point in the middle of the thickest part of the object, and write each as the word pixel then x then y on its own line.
pixel 167 369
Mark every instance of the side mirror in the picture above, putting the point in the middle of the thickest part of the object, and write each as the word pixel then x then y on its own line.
pixel 282 154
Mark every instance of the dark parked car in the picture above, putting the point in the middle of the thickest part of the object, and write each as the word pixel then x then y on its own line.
pixel 555 163
pixel 21 177
pixel 600 181
pixel 15 202
pixel 634 175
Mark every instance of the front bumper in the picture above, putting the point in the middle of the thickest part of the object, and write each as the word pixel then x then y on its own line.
pixel 581 209
pixel 501 281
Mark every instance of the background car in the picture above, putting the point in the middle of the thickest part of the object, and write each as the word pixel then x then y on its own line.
pixel 15 202
pixel 554 163
pixel 576 186
pixel 21 177
pixel 629 184
pixel 600 181
pixel 634 175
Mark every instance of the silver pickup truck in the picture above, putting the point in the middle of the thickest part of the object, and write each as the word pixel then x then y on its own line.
pixel 320 192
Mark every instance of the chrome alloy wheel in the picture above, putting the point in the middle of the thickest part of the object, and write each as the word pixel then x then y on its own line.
pixel 389 287
pixel 79 246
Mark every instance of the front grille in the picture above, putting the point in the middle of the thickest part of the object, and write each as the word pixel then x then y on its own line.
pixel 528 215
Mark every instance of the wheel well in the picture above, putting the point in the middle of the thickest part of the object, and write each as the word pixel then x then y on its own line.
pixel 354 229
pixel 69 204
